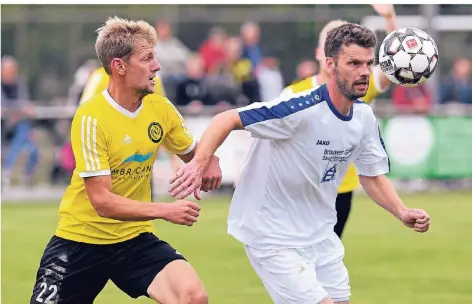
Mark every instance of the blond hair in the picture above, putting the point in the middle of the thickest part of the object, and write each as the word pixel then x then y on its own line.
pixel 328 27
pixel 117 37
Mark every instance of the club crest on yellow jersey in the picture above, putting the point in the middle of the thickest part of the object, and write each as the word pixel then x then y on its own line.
pixel 155 132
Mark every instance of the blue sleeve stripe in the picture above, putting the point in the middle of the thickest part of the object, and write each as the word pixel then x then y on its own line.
pixel 383 146
pixel 277 109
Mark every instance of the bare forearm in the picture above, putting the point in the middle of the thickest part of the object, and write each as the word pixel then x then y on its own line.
pixel 218 130
pixel 391 23
pixel 381 191
pixel 186 158
pixel 124 209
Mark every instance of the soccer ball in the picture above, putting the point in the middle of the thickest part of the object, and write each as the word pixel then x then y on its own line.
pixel 408 56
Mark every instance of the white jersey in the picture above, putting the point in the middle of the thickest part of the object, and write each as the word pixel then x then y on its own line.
pixel 302 149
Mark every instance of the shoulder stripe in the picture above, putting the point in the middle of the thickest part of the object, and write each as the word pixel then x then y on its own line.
pixel 83 141
pixel 278 108
pixel 94 141
pixel 89 143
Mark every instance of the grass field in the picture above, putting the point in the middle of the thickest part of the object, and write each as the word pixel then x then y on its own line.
pixel 388 263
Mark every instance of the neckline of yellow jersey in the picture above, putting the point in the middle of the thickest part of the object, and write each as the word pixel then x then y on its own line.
pixel 119 108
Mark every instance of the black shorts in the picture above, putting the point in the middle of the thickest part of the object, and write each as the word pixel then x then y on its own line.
pixel 73 272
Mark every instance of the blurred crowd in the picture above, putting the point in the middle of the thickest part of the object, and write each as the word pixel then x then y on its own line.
pixel 225 71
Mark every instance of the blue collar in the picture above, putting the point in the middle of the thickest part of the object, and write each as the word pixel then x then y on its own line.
pixel 325 96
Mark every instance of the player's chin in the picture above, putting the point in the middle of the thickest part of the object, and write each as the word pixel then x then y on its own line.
pixel 359 91
pixel 148 90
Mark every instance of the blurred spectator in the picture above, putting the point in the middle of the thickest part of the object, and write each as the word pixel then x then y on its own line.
pixel 305 69
pixel 171 54
pixel 222 78
pixel 194 88
pixel 270 79
pixel 67 158
pixel 457 87
pixel 223 89
pixel 240 70
pixel 213 50
pixel 16 110
pixel 250 33
pixel 64 162
pixel 417 100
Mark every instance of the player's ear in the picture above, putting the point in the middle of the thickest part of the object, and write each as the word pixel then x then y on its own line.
pixel 118 65
pixel 330 65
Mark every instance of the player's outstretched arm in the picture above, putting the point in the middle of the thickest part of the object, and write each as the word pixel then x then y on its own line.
pixel 388 12
pixel 110 205
pixel 372 165
pixel 189 178
pixel 180 141
pixel 278 119
pixel 380 190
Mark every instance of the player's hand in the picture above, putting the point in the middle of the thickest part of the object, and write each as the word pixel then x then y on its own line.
pixel 384 10
pixel 188 179
pixel 417 219
pixel 181 212
pixel 212 175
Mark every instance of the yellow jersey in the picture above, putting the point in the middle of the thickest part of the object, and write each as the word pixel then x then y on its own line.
pixel 109 140
pixel 99 79
pixel 351 180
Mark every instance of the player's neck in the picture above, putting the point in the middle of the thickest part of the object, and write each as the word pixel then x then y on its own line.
pixel 125 96
pixel 339 101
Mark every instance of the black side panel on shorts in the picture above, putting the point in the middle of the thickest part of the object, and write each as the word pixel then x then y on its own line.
pixel 70 273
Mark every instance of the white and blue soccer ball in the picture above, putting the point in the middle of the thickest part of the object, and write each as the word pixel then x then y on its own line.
pixel 408 56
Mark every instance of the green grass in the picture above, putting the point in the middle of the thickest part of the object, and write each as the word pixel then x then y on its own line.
pixel 388 263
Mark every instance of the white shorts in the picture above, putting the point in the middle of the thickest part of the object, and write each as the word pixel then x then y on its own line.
pixel 303 275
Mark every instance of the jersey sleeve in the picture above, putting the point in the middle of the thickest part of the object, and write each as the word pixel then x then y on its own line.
pixel 374 88
pixel 89 146
pixel 373 159
pixel 278 119
pixel 96 83
pixel 179 140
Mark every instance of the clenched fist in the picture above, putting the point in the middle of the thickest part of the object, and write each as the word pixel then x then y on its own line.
pixel 416 219
pixel 181 212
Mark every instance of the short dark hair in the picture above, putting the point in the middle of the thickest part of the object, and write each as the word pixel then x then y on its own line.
pixel 347 34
